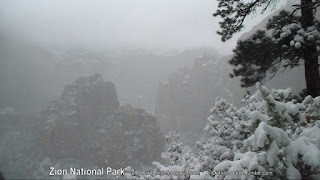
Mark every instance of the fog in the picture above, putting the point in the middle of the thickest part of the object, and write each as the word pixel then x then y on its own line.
pixel 99 83
pixel 39 35
pixel 132 24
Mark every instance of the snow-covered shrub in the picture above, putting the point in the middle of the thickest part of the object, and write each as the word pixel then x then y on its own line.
pixel 271 137
pixel 176 149
pixel 281 146
pixel 183 162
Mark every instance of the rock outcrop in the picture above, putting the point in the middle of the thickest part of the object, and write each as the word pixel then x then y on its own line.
pixel 183 103
pixel 88 123
pixel 130 135
pixel 67 122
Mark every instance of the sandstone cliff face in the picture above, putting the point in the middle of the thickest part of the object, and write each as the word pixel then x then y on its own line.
pixel 183 103
pixel 87 122
pixel 66 122
pixel 130 135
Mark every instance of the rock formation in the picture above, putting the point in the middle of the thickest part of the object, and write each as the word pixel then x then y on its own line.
pixel 183 103
pixel 88 123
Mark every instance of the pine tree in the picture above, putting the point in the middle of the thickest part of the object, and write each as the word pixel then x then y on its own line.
pixel 294 41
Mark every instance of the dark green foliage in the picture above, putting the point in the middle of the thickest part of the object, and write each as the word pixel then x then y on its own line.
pixel 254 57
pixel 260 55
pixel 293 57
pixel 282 19
pixel 287 43
pixel 234 13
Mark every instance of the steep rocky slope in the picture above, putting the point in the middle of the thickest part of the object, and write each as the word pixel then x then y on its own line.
pixel 183 102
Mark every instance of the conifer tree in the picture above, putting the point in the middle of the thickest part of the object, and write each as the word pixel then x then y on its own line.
pixel 294 41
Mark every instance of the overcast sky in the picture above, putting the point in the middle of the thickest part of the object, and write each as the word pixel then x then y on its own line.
pixel 162 24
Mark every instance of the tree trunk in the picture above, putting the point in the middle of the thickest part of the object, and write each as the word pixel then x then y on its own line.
pixel 311 63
